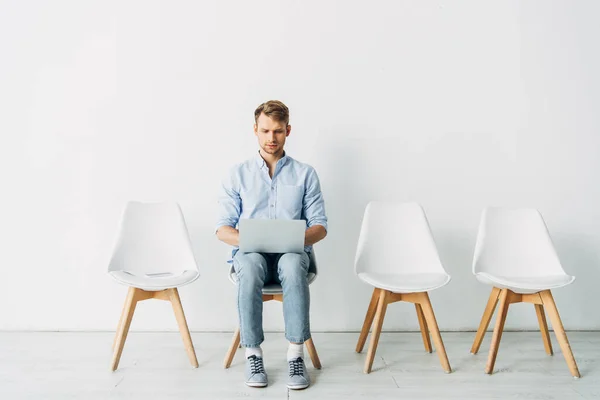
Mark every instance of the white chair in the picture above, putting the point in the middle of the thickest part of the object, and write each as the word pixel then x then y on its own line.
pixel 397 255
pixel 273 291
pixel 153 256
pixel 515 255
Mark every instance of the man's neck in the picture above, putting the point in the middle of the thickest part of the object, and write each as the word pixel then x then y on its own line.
pixel 271 159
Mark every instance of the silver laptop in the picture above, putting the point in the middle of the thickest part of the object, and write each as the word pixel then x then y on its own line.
pixel 272 235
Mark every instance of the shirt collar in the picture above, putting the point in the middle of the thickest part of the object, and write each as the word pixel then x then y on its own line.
pixel 262 163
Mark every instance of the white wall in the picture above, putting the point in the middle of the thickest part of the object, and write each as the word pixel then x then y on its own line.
pixel 456 105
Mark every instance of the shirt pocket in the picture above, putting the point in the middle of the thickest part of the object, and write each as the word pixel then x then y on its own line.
pixel 289 197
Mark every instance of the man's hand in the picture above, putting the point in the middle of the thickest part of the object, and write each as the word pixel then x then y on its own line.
pixel 229 235
pixel 314 234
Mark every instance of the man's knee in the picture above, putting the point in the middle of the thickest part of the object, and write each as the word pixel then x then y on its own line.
pixel 250 267
pixel 293 266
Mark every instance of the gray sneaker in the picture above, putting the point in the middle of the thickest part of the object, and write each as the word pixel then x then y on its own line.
pixel 298 378
pixel 255 372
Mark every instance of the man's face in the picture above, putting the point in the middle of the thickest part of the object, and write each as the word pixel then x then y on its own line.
pixel 271 134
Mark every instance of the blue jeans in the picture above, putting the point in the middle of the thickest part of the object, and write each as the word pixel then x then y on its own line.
pixel 254 270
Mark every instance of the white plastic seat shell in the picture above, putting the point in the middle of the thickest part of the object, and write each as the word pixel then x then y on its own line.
pixel 514 251
pixel 153 251
pixel 396 250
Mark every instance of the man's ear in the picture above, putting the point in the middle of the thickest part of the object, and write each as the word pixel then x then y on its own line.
pixel 255 130
pixel 288 129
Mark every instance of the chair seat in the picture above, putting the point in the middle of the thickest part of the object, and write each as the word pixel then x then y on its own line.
pixel 405 283
pixel 155 282
pixel 525 284
pixel 270 288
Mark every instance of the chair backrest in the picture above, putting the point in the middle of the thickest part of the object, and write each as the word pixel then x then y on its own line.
pixel 153 238
pixel 515 242
pixel 396 238
pixel 312 266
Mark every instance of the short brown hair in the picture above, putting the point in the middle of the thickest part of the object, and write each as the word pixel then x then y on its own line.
pixel 273 109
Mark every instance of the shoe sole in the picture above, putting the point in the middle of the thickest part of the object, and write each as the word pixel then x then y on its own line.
pixel 256 384
pixel 298 387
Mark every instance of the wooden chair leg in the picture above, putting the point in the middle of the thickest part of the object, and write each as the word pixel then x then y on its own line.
pixel 424 328
pixel 183 327
pixel 232 348
pixel 123 313
pixel 541 316
pixel 379 316
pixel 559 331
pixel 500 320
pixel 312 352
pixel 368 320
pixel 121 336
pixel 485 319
pixel 435 332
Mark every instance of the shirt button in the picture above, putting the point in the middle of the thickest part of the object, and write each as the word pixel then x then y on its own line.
pixel 272 205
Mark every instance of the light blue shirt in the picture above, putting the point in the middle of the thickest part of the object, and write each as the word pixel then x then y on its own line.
pixel 294 192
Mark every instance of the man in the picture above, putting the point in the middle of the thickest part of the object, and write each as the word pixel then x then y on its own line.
pixel 272 185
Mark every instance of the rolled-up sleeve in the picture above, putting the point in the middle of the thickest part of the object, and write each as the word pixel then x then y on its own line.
pixel 313 204
pixel 230 203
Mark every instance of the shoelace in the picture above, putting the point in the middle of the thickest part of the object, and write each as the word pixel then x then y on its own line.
pixel 296 367
pixel 256 365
